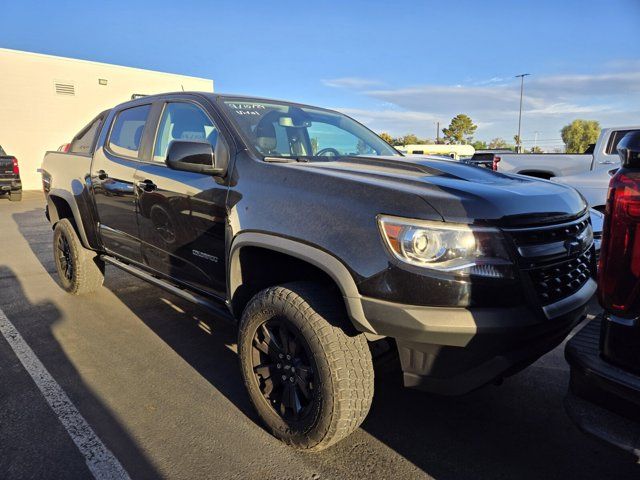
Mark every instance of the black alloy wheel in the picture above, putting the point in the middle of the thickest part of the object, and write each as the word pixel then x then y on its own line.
pixel 65 257
pixel 284 370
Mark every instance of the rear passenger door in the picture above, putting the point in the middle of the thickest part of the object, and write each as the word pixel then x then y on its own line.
pixel 182 215
pixel 112 176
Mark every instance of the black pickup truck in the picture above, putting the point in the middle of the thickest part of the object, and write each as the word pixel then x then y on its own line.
pixel 10 183
pixel 322 243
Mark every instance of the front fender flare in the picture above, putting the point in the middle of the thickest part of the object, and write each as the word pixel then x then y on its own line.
pixel 314 256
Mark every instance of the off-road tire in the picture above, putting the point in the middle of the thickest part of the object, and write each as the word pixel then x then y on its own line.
pixel 344 371
pixel 86 270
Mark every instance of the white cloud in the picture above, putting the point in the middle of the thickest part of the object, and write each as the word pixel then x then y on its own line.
pixel 395 122
pixel 558 86
pixel 351 82
pixel 549 103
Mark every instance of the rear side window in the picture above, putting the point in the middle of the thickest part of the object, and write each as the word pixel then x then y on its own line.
pixel 84 141
pixel 126 133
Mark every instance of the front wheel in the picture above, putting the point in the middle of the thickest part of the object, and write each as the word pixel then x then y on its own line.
pixel 308 373
pixel 80 270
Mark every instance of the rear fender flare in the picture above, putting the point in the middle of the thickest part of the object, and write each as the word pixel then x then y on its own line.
pixel 70 200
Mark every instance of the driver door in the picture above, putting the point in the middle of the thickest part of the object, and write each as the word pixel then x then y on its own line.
pixel 182 215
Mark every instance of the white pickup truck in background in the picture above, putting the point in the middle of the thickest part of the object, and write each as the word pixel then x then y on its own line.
pixel 588 172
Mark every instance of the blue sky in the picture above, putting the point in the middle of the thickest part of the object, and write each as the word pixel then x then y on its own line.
pixel 398 66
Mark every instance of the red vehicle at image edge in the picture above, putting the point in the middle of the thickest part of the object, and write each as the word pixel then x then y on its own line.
pixel 604 393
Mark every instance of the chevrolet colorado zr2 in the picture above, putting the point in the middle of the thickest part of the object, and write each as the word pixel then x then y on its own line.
pixel 322 242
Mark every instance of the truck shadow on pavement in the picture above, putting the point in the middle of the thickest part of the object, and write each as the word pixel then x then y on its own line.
pixel 33 442
pixel 518 430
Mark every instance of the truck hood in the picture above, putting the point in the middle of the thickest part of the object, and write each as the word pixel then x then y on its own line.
pixel 463 193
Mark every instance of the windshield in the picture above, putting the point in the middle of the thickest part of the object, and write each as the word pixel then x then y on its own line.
pixel 278 129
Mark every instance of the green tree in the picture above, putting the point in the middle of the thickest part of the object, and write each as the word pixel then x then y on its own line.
pixel 314 145
pixel 498 143
pixel 579 134
pixel 536 149
pixel 460 130
pixel 386 137
pixel 410 139
pixel 479 145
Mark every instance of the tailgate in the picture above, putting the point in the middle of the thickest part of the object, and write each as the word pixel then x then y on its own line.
pixel 6 167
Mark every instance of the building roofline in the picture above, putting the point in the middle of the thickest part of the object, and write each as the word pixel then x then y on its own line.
pixel 104 64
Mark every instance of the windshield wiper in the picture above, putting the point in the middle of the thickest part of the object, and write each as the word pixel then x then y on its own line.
pixel 284 159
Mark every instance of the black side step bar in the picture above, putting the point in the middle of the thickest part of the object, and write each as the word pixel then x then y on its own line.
pixel 213 307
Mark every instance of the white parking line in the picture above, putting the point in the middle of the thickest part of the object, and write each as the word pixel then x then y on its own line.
pixel 101 462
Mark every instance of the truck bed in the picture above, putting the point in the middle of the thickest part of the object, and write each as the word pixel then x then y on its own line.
pixel 70 171
pixel 552 164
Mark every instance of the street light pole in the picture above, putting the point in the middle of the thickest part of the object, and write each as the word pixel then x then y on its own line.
pixel 521 77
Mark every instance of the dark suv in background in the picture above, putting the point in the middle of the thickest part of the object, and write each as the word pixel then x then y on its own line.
pixel 10 183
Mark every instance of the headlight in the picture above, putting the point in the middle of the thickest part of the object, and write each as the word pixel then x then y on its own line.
pixel 447 247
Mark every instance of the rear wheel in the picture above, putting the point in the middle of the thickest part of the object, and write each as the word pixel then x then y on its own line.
pixel 308 373
pixel 80 270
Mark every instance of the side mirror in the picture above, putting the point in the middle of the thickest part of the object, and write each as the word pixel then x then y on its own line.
pixel 629 149
pixel 189 156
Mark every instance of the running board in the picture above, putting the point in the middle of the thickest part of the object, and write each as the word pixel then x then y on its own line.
pixel 171 288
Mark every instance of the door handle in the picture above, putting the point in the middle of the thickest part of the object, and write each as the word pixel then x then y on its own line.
pixel 102 175
pixel 146 185
pixel 606 162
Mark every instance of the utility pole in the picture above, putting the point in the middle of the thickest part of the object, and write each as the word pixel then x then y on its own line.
pixel 521 77
pixel 437 132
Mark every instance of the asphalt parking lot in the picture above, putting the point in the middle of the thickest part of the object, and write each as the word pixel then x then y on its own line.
pixel 158 382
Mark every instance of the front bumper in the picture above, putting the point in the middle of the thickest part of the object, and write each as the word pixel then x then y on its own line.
pixel 452 351
pixel 603 400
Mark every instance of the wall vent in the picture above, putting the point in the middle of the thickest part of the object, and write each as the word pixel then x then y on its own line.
pixel 65 88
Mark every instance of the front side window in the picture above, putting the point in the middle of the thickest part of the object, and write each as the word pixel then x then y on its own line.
pixel 183 121
pixel 126 133
pixel 278 129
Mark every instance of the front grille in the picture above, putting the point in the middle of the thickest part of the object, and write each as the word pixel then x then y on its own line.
pixel 555 282
pixel 554 259
pixel 531 236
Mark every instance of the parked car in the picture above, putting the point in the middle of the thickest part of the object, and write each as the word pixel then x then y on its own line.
pixel 597 224
pixel 487 158
pixel 323 244
pixel 593 185
pixel 604 395
pixel 10 183
pixel 601 156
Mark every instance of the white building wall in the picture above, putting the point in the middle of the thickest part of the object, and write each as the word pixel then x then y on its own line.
pixel 35 118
